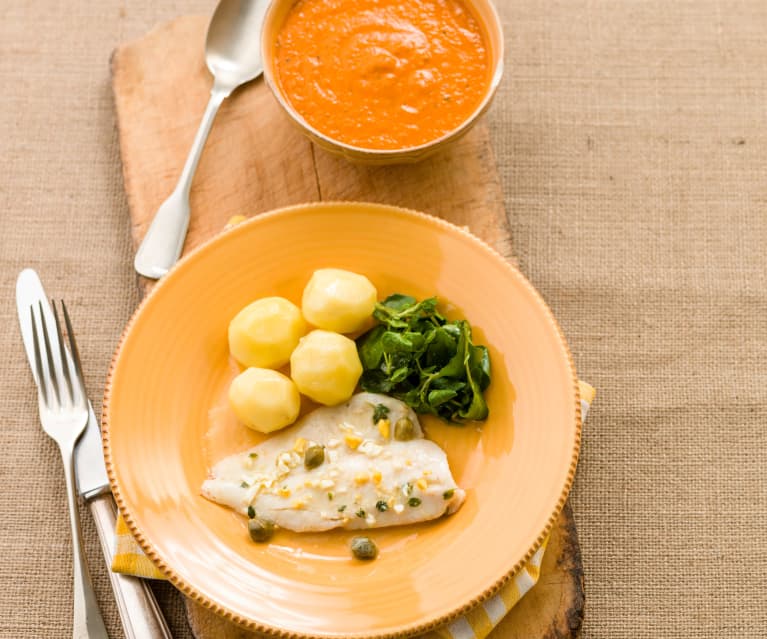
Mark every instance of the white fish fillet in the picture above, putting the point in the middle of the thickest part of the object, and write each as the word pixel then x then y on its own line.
pixel 380 482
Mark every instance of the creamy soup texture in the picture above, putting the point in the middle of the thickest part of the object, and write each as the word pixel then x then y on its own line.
pixel 383 74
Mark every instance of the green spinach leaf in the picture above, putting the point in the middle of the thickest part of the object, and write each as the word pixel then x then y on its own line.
pixel 416 355
pixel 370 348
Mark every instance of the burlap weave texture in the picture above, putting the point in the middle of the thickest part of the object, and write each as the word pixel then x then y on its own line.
pixel 631 139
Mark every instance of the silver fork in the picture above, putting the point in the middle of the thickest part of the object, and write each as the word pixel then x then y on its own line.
pixel 64 414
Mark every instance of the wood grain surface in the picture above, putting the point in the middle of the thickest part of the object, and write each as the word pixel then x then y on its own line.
pixel 254 161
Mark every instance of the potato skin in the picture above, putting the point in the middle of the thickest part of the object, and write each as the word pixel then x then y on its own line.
pixel 326 367
pixel 264 400
pixel 265 332
pixel 338 300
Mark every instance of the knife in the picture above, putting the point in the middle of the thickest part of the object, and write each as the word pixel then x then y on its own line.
pixel 141 616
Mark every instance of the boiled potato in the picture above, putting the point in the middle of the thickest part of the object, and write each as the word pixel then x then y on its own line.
pixel 264 333
pixel 325 367
pixel 264 400
pixel 338 300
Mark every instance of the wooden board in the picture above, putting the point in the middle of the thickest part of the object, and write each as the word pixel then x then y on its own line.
pixel 255 160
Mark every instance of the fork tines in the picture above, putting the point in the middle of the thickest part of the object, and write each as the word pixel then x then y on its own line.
pixel 66 367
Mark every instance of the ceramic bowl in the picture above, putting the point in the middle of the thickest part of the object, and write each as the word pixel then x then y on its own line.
pixel 490 23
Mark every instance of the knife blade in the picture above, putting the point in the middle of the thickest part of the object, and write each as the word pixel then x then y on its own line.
pixel 140 615
pixel 89 460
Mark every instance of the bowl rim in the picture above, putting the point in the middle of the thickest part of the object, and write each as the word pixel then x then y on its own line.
pixel 412 629
pixel 274 86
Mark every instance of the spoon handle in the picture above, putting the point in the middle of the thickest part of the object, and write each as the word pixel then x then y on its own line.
pixel 217 96
pixel 163 242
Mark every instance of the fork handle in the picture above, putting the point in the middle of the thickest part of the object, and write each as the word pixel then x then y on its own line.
pixel 140 615
pixel 87 622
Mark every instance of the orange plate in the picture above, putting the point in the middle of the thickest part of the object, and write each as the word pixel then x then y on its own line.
pixel 165 423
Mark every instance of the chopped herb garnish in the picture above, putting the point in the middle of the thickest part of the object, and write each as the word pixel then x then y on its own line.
pixel 342 508
pixel 414 502
pixel 253 455
pixel 330 496
pixel 407 489
pixel 382 506
pixel 244 484
pixel 360 513
pixel 448 494
pixel 380 412
pixel 251 512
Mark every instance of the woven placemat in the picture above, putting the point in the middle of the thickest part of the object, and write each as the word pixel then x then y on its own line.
pixel 631 141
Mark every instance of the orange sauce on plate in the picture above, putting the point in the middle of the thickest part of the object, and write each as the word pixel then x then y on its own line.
pixel 383 74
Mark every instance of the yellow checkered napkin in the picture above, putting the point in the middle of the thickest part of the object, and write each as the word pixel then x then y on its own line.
pixel 129 559
pixel 477 624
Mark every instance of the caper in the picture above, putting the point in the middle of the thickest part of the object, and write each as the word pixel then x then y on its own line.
pixel 260 529
pixel 314 456
pixel 404 430
pixel 364 548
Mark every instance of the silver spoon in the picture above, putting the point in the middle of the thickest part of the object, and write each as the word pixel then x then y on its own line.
pixel 233 56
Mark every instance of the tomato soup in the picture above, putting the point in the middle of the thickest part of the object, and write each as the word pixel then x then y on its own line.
pixel 383 74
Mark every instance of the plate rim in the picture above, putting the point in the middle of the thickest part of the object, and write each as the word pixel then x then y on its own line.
pixel 403 631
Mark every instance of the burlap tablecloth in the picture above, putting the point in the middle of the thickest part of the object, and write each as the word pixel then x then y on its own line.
pixel 632 142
